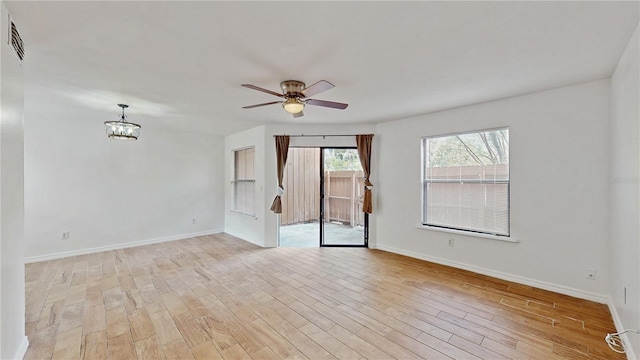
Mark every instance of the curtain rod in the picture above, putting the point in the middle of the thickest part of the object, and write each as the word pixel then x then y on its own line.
pixel 303 135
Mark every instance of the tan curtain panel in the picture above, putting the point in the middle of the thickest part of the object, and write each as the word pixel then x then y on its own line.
pixel 282 149
pixel 364 151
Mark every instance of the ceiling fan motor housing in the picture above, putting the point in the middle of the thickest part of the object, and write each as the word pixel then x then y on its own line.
pixel 292 88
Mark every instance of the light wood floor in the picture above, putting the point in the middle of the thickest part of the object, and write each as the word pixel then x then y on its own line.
pixel 218 297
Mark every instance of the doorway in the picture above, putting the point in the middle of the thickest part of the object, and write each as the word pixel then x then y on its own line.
pixel 322 204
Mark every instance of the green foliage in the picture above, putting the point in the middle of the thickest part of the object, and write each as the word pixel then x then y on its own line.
pixel 341 160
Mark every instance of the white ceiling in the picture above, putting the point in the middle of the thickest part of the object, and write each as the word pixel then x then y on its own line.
pixel 182 63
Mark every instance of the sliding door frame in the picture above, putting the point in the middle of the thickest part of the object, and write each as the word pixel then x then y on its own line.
pixel 322 195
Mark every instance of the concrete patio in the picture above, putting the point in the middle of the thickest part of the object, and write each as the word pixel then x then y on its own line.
pixel 308 235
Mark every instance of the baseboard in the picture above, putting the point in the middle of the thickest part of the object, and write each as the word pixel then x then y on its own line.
pixel 243 238
pixel 65 254
pixel 617 321
pixel 603 299
pixel 22 349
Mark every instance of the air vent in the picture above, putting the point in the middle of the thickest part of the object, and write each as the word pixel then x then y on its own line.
pixel 15 41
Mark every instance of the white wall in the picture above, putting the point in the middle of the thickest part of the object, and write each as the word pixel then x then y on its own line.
pixel 558 141
pixel 624 175
pixel 13 341
pixel 112 193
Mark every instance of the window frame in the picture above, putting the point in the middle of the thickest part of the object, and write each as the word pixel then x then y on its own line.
pixel 423 184
pixel 235 181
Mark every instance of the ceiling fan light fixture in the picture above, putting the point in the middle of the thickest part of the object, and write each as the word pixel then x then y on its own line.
pixel 122 129
pixel 295 95
pixel 293 105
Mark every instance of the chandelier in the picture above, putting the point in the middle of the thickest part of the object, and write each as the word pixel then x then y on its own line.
pixel 122 129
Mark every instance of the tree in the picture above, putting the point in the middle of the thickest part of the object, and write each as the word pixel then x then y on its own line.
pixel 481 148
pixel 341 160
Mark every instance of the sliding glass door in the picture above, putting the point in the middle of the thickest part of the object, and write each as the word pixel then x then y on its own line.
pixel 322 204
pixel 342 191
pixel 300 218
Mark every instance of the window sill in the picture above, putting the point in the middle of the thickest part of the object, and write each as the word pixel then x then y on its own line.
pixel 253 216
pixel 469 233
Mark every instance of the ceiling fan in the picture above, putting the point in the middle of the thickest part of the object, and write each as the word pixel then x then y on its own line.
pixel 296 96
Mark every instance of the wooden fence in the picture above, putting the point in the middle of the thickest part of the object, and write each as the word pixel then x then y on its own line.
pixel 300 203
pixel 301 200
pixel 343 197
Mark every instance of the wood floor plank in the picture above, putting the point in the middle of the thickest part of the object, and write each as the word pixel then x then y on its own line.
pixel 503 349
pixel 132 300
pixel 328 342
pixel 416 347
pixel 140 324
pixel 445 348
pixel 174 304
pixel 423 326
pixel 149 349
pixel 164 327
pixel 311 315
pixel 206 351
pixel 41 344
pixel 388 346
pixel 390 321
pixel 195 304
pixel 345 322
pixel 72 317
pixel 307 346
pixel 94 295
pixel 94 319
pixel 236 352
pixel 94 346
pixel 360 346
pixel 218 332
pixel 486 332
pixel 218 297
pixel 68 345
pixel 267 314
pixel 50 315
pixel 244 336
pixel 121 347
pixel 266 354
pixel 297 356
pixel 117 322
pixel 477 350
pixel 177 350
pixel 287 314
pixel 277 344
pixel 192 333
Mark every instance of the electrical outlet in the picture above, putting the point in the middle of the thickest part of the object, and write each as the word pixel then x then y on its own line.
pixel 64 235
pixel 591 274
pixel 451 242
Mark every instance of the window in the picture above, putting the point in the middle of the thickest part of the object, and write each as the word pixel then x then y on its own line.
pixel 465 181
pixel 244 181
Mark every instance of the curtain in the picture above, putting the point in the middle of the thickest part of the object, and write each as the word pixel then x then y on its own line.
pixel 364 151
pixel 282 149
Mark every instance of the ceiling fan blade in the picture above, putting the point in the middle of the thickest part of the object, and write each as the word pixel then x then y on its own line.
pixel 264 104
pixel 261 89
pixel 331 104
pixel 299 114
pixel 317 88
